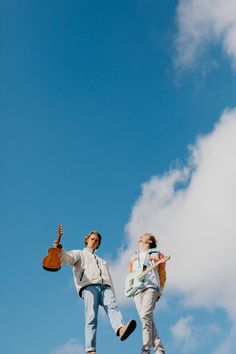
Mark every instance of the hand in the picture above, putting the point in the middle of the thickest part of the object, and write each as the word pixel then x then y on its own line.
pixel 160 291
pixel 57 245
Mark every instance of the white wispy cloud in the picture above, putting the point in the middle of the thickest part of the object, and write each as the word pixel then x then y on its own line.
pixel 192 211
pixel 201 23
pixel 187 335
pixel 183 336
pixel 70 347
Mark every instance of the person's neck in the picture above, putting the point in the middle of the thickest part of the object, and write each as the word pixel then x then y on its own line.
pixel 92 250
pixel 141 249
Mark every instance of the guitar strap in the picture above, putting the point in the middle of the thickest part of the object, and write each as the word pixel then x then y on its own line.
pixel 154 251
pixel 147 258
pixel 145 263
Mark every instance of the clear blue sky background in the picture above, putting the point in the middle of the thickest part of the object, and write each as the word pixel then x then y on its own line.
pixel 91 106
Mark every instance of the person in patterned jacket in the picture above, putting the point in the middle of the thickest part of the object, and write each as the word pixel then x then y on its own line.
pixel 150 292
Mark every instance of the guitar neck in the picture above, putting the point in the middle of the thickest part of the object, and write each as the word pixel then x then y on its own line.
pixel 58 238
pixel 162 260
pixel 59 234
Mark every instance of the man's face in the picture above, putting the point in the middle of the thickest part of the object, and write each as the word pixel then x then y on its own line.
pixel 93 241
pixel 144 242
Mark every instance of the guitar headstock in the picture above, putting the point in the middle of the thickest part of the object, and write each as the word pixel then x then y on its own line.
pixel 164 259
pixel 59 233
pixel 60 230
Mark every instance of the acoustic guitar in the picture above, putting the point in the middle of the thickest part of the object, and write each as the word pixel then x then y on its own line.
pixel 52 261
pixel 134 280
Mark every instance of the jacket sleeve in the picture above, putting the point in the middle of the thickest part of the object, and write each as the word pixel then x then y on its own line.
pixel 162 273
pixel 132 260
pixel 70 257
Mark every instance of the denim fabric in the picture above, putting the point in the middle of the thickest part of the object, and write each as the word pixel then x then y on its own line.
pixel 95 295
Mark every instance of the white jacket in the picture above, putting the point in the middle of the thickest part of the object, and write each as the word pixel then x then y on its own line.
pixel 88 268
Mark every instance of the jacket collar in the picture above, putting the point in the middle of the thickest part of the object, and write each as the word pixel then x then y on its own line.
pixel 89 250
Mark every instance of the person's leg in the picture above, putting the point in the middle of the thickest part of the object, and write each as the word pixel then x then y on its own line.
pixel 156 341
pixel 90 294
pixel 108 302
pixel 145 303
pixel 138 300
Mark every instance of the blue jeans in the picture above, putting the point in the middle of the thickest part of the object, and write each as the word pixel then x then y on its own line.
pixel 95 295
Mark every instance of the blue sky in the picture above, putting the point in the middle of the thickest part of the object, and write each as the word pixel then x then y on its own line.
pixel 117 116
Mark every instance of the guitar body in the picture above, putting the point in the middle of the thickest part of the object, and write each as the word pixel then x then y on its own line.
pixel 135 280
pixel 133 283
pixel 52 261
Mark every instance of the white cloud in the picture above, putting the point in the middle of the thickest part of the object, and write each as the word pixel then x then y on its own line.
pixel 186 336
pixel 228 345
pixel 71 347
pixel 201 22
pixel 182 333
pixel 192 210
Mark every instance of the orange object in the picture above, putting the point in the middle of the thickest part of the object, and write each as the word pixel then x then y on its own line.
pixel 52 261
pixel 162 272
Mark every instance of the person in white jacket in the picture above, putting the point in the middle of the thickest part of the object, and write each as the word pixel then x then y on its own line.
pixel 94 284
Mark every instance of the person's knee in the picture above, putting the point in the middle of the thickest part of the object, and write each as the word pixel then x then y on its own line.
pixel 147 316
pixel 91 320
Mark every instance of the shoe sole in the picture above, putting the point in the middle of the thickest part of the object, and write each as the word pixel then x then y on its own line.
pixel 130 328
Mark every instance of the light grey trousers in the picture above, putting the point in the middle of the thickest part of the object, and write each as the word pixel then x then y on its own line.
pixel 145 302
